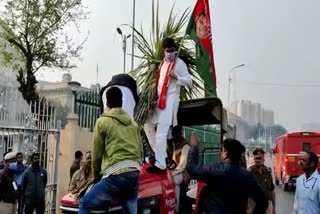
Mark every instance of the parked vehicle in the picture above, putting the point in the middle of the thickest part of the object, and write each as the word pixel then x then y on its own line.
pixel 288 149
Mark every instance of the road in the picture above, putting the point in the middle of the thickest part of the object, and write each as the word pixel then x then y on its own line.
pixel 284 200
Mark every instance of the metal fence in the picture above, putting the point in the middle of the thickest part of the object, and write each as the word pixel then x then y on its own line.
pixel 87 106
pixel 210 137
pixel 31 128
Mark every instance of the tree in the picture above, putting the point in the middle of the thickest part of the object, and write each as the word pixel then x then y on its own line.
pixel 277 130
pixel 34 37
pixel 256 131
pixel 272 131
pixel 62 112
pixel 152 54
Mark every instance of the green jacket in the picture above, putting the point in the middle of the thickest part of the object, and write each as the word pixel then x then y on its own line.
pixel 116 139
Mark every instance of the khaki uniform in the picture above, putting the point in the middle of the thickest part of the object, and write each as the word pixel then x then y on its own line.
pixel 265 181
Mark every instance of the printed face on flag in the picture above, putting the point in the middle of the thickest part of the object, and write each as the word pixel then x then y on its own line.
pixel 202 27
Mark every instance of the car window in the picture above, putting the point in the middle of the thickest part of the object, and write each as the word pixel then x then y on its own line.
pixel 306 147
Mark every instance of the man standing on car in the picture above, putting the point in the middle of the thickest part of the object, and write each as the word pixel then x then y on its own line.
pixel 172 74
pixel 229 185
pixel 307 197
pixel 33 184
pixel 116 154
pixel 263 176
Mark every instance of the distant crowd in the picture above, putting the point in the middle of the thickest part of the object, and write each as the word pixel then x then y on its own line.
pixel 22 187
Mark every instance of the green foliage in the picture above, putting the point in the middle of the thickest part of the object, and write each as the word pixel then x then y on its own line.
pixel 277 130
pixel 34 37
pixel 62 112
pixel 272 131
pixel 152 54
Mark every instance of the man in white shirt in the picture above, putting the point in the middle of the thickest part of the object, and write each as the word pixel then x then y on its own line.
pixel 307 197
pixel 172 74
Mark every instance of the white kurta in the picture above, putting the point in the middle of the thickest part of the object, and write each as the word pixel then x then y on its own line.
pixel 307 197
pixel 163 119
pixel 168 115
pixel 128 102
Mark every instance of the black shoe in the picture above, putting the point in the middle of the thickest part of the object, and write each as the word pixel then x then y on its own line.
pixel 152 160
pixel 171 164
pixel 155 170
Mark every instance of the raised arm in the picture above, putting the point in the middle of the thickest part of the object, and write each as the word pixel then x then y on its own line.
pixel 197 170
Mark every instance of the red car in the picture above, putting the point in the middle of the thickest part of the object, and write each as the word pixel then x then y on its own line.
pixel 157 192
pixel 154 190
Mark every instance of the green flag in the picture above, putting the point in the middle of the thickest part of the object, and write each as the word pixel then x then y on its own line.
pixel 199 29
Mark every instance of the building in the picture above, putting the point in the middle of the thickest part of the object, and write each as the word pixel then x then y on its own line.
pixel 252 112
pixel 61 92
pixel 267 117
pixel 242 127
pixel 256 113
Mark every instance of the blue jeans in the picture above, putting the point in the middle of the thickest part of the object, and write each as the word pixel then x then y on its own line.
pixel 122 187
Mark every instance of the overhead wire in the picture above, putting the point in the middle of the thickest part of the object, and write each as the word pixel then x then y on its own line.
pixel 282 84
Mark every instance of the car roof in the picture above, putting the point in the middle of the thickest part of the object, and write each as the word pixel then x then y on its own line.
pixel 203 111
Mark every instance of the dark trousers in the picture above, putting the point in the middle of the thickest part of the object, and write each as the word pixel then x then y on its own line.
pixel 20 202
pixel 39 208
pixel 123 187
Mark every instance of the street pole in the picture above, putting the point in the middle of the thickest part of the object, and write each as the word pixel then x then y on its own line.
pixel 124 48
pixel 229 80
pixel 229 85
pixel 265 131
pixel 133 28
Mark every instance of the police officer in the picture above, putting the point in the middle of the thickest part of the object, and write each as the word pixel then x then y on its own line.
pixel 263 176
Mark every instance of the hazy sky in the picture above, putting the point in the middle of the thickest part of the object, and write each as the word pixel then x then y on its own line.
pixel 278 40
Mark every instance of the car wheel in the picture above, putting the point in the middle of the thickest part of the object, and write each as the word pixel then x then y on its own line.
pixel 285 187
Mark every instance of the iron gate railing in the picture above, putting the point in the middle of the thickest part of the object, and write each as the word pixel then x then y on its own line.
pixel 87 106
pixel 31 128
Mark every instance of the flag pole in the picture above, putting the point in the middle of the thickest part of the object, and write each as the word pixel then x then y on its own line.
pixel 133 29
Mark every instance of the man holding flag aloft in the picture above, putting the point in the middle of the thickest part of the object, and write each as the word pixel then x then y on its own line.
pixel 171 75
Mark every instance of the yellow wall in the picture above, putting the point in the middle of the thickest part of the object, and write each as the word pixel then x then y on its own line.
pixel 72 138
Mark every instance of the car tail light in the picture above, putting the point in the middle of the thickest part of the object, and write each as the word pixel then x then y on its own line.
pixel 291 159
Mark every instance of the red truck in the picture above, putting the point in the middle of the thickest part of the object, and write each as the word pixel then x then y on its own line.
pixel 288 149
pixel 157 192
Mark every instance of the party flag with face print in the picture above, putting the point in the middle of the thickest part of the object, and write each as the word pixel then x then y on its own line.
pixel 199 30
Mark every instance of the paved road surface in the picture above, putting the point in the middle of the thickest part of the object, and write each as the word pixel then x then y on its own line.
pixel 284 201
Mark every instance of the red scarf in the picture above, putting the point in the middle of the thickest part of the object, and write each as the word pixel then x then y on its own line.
pixel 164 90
